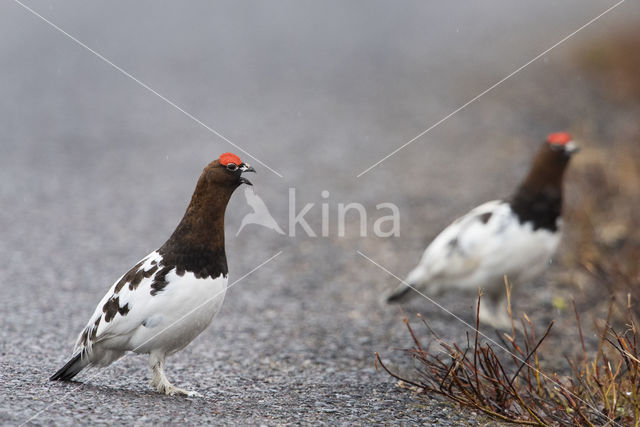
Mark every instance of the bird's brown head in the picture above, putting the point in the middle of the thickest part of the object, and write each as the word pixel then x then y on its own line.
pixel 218 181
pixel 226 172
pixel 539 197
pixel 562 144
pixel 551 161
pixel 203 223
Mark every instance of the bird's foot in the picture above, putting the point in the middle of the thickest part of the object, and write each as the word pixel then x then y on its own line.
pixel 162 384
pixel 171 390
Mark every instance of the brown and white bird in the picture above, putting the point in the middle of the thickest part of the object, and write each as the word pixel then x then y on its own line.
pixel 515 237
pixel 171 296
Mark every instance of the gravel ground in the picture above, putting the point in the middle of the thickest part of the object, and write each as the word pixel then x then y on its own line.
pixel 95 172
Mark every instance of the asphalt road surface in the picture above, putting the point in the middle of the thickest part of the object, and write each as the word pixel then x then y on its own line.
pixel 96 171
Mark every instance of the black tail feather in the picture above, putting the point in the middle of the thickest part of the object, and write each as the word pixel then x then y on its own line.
pixel 70 369
pixel 399 294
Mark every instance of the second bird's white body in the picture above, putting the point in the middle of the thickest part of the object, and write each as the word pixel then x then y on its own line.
pixel 470 253
pixel 478 250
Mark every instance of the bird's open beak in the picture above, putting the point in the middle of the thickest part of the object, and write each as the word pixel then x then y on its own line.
pixel 571 147
pixel 244 167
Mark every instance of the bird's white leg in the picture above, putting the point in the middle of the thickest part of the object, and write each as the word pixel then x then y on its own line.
pixel 490 312
pixel 160 381
pixel 485 313
pixel 503 310
pixel 494 313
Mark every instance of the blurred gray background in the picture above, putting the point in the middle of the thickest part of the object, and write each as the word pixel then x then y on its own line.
pixel 96 171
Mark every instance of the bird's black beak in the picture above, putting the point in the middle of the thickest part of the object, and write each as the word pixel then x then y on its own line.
pixel 571 148
pixel 244 167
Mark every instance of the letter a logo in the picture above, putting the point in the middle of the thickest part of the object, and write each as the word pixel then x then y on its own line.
pixel 260 215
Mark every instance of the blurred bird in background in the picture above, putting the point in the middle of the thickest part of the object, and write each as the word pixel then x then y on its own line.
pixel 515 237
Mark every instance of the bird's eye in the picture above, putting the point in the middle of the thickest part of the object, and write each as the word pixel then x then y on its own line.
pixel 232 167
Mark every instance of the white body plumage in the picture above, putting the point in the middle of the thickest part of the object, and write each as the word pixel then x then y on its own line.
pixel 162 323
pixel 471 252
pixel 515 238
pixel 171 296
pixel 477 250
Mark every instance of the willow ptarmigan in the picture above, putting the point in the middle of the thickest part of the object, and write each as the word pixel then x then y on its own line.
pixel 171 296
pixel 515 237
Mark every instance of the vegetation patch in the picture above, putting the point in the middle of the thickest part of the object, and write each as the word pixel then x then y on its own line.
pixel 513 385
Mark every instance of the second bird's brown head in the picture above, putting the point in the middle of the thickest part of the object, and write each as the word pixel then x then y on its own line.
pixel 550 163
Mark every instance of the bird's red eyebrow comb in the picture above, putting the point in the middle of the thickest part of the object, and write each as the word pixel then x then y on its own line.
pixel 226 158
pixel 559 138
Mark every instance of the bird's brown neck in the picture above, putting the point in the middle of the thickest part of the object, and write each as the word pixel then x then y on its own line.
pixel 538 199
pixel 197 244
